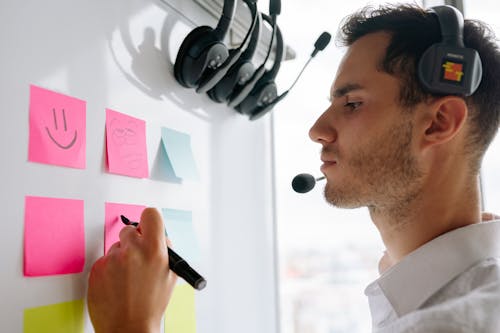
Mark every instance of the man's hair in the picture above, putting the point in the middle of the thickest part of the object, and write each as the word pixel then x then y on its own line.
pixel 413 30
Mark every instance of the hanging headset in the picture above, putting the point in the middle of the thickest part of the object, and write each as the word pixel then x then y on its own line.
pixel 264 92
pixel 448 67
pixel 209 80
pixel 241 92
pixel 240 72
pixel 203 52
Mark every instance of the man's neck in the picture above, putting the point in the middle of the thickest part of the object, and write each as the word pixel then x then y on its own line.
pixel 442 206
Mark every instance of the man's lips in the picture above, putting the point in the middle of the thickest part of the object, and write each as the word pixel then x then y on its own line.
pixel 327 164
pixel 328 159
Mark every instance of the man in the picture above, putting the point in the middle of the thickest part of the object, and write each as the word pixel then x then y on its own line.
pixel 411 157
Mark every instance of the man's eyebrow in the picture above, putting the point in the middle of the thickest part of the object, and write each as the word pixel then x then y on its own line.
pixel 341 91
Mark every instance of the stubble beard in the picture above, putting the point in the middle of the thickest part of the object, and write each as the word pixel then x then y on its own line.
pixel 385 174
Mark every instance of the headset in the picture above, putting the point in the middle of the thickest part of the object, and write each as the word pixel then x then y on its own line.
pixel 203 58
pixel 448 67
pixel 240 92
pixel 265 92
pixel 240 72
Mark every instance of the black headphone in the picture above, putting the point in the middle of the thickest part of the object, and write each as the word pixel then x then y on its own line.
pixel 241 92
pixel 203 57
pixel 264 94
pixel 448 67
pixel 240 72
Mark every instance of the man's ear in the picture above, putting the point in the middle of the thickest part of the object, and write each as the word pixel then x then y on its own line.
pixel 446 117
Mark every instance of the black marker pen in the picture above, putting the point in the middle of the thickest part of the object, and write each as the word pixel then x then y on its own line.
pixel 178 265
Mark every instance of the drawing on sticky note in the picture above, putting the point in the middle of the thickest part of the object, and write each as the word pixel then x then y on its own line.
pixel 126 145
pixel 125 136
pixel 57 126
pixel 62 146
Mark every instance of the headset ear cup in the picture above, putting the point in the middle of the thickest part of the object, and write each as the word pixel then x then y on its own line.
pixel 248 104
pixel 193 38
pixel 439 60
pixel 448 67
pixel 261 95
pixel 239 74
pixel 426 67
pixel 214 96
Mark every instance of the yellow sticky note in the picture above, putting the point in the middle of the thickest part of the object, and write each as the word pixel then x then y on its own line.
pixel 56 318
pixel 180 315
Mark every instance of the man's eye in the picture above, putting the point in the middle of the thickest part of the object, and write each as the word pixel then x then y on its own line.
pixel 353 105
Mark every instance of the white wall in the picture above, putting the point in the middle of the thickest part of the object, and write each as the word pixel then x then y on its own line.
pixel 91 50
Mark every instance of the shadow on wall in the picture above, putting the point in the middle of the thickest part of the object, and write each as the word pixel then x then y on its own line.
pixel 151 68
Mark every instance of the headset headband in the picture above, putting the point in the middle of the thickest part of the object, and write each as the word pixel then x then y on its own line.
pixel 241 93
pixel 280 48
pixel 254 39
pixel 210 79
pixel 224 23
pixel 451 22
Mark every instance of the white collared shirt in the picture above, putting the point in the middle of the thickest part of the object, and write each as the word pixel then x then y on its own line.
pixel 450 284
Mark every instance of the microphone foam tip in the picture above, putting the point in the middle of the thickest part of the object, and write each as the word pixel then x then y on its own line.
pixel 303 183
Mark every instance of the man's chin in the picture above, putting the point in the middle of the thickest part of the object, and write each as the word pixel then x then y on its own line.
pixel 342 200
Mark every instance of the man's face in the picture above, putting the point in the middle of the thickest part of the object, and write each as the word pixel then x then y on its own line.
pixel 366 136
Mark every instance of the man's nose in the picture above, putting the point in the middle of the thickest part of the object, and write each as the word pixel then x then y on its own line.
pixel 323 131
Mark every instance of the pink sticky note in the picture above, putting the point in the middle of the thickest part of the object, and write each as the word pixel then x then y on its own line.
pixel 126 145
pixel 54 240
pixel 57 129
pixel 113 223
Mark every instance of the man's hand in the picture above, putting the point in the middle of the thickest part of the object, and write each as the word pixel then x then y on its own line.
pixel 130 286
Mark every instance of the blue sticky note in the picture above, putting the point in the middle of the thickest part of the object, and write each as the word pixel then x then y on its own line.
pixel 179 226
pixel 178 148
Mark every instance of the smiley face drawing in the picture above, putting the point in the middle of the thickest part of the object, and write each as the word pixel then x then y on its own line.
pixel 62 146
pixel 57 129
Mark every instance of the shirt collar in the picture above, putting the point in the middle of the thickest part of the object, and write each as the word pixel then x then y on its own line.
pixel 408 284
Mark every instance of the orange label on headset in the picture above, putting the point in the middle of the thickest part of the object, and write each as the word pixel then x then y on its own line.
pixel 452 71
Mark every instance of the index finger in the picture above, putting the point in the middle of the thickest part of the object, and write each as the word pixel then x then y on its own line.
pixel 151 227
pixel 486 216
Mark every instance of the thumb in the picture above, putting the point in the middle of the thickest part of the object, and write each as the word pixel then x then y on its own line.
pixel 151 227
